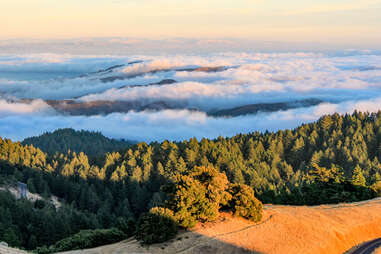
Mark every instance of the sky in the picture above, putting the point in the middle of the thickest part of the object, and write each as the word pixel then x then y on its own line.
pixel 349 22
pixel 272 51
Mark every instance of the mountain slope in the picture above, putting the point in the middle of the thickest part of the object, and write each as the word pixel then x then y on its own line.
pixel 328 229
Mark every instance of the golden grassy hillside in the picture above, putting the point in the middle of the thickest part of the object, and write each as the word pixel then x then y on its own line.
pixel 284 229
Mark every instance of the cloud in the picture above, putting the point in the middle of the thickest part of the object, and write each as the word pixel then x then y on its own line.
pixel 76 76
pixel 142 68
pixel 173 124
pixel 372 105
pixel 346 81
pixel 8 108
pixel 153 63
pixel 18 60
pixel 257 78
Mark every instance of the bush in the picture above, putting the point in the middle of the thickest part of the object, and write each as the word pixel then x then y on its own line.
pixel 126 226
pixel 85 239
pixel 244 203
pixel 156 226
pixel 43 250
pixel 197 196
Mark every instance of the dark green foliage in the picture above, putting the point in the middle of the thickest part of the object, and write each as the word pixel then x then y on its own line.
pixel 32 243
pixel 24 224
pixel 156 226
pixel 328 186
pixel 244 203
pixel 128 227
pixel 62 140
pixel 328 193
pixel 10 237
pixel 39 204
pixel 85 239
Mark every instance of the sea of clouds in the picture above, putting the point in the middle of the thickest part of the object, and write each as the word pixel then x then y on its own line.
pixel 345 82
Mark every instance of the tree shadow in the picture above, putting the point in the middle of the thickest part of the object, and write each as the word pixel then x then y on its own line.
pixel 225 235
pixel 186 242
pixel 214 245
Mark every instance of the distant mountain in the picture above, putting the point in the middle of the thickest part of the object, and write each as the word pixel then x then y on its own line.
pixel 62 140
pixel 265 107
pixel 101 107
pixel 74 107
pixel 122 76
pixel 160 83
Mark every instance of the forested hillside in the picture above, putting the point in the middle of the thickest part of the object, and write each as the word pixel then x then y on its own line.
pixel 336 159
pixel 62 140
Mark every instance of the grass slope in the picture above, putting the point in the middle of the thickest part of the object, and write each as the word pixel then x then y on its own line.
pixel 327 229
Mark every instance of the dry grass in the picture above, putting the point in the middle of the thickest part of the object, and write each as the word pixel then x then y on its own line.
pixel 284 229
pixel 8 250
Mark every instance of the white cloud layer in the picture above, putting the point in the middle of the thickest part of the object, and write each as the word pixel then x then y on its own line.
pixel 286 75
pixel 173 124
pixel 257 78
pixel 17 108
pixel 345 81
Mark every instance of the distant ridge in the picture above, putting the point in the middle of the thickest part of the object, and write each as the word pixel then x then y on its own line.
pixel 266 107
pixel 74 107
pixel 62 140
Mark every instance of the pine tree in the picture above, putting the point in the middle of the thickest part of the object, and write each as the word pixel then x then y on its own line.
pixel 11 238
pixel 358 177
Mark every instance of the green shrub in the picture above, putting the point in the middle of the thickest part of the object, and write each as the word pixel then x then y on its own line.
pixel 244 203
pixel 85 239
pixel 43 250
pixel 156 226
